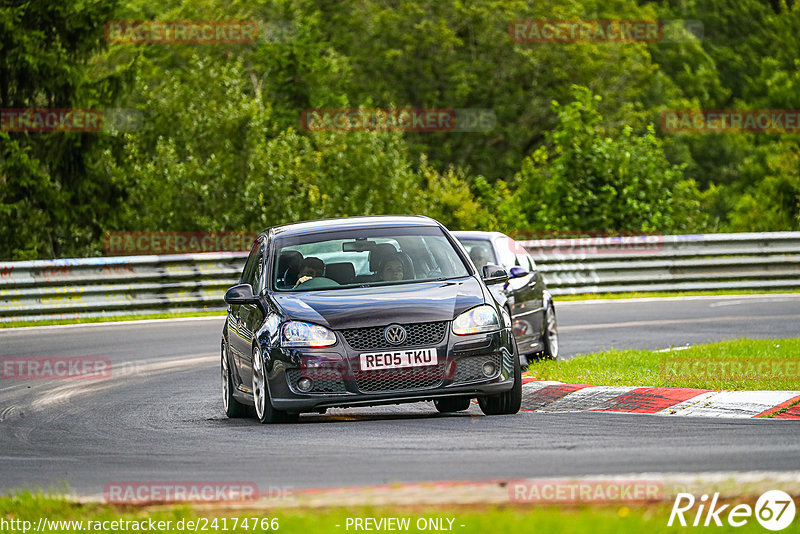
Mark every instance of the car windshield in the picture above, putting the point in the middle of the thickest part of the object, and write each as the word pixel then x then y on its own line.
pixel 364 257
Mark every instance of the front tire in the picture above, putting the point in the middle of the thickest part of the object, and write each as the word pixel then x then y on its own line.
pixel 265 413
pixel 233 408
pixel 450 405
pixel 509 402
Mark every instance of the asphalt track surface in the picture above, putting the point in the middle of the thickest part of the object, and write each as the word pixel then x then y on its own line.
pixel 159 416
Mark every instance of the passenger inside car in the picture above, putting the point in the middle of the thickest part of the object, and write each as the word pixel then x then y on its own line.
pixel 311 268
pixel 396 266
pixel 391 270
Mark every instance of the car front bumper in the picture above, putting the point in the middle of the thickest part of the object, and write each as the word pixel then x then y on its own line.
pixel 337 380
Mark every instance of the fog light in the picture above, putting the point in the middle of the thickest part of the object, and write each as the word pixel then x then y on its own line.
pixel 489 369
pixel 305 384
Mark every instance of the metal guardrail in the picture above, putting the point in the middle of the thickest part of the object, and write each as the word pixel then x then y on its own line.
pixel 122 285
pixel 131 285
pixel 669 263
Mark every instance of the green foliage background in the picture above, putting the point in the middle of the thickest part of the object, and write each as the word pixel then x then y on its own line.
pixel 217 142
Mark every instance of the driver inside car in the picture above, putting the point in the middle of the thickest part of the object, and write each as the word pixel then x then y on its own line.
pixel 478 257
pixel 310 268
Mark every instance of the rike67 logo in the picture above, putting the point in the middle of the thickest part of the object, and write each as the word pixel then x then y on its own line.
pixel 774 510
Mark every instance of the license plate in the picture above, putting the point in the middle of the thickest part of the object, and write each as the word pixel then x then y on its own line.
pixel 396 359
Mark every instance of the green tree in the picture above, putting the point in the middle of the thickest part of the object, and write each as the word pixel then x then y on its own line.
pixel 773 203
pixel 210 156
pixel 53 199
pixel 592 180
pixel 455 54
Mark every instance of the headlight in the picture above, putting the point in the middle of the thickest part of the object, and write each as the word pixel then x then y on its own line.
pixel 481 319
pixel 298 334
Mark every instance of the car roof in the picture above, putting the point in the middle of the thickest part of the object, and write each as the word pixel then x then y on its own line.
pixel 343 223
pixel 475 234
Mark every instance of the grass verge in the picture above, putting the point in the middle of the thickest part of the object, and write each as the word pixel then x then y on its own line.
pixel 740 364
pixel 660 294
pixel 473 519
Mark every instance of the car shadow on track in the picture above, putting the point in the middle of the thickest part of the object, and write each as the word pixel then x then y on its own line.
pixel 340 415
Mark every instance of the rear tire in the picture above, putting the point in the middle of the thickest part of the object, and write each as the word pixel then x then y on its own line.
pixel 449 405
pixel 264 411
pixel 550 333
pixel 509 402
pixel 233 408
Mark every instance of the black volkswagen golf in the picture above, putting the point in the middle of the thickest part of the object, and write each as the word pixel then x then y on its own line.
pixel 365 311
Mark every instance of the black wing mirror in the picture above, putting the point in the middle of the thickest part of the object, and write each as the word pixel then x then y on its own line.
pixel 241 294
pixel 494 274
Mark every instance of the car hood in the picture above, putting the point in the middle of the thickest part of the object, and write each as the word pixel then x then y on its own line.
pixel 375 306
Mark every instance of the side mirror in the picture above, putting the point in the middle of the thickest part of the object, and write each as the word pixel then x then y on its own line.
pixel 241 294
pixel 518 272
pixel 494 274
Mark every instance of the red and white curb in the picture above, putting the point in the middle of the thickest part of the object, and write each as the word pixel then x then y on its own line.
pixel 558 397
pixel 729 484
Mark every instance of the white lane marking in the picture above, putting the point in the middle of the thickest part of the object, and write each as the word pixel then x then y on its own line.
pixel 736 404
pixel 40 459
pixel 673 299
pixel 674 349
pixel 586 399
pixel 740 301
pixel 596 326
pixel 11 330
pixel 65 392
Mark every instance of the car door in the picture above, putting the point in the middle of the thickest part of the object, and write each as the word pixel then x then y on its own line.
pixel 521 293
pixel 251 316
pixel 533 293
pixel 238 331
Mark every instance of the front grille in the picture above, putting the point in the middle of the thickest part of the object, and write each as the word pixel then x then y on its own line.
pixel 470 368
pixel 325 381
pixel 400 379
pixel 417 334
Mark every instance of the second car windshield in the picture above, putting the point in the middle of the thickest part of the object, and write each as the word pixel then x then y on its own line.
pixel 364 257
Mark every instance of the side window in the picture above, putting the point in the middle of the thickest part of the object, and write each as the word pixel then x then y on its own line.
pixel 247 272
pixel 531 263
pixel 255 277
pixel 505 250
pixel 525 261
